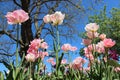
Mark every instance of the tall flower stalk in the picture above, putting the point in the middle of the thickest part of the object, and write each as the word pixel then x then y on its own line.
pixel 17 17
pixel 17 45
pixel 56 19
pixel 58 48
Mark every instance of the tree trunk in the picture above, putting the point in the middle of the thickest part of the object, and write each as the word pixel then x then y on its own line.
pixel 26 31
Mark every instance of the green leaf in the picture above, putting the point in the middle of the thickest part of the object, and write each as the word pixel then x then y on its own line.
pixel 60 58
pixel 22 60
pixel 14 74
pixel 1 76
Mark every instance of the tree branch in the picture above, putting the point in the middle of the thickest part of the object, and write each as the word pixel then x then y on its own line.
pixel 17 3
pixel 9 35
pixel 75 5
pixel 7 54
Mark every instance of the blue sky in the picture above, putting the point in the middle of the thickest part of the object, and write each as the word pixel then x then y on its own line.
pixel 109 3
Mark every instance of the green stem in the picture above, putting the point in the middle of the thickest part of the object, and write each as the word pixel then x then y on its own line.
pixel 58 40
pixel 91 70
pixel 106 63
pixel 57 49
pixel 100 68
pixel 17 45
pixel 30 69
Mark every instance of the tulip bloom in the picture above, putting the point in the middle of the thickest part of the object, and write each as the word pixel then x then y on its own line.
pixel 67 47
pixel 86 41
pixel 42 54
pixel 46 18
pixel 117 69
pixel 78 63
pixel 108 43
pixel 57 18
pixel 100 47
pixel 102 36
pixel 44 45
pixel 92 27
pixel 73 48
pixel 30 57
pixel 51 60
pixel 17 16
pixel 34 48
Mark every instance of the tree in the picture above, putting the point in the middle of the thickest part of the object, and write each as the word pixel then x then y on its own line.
pixel 35 27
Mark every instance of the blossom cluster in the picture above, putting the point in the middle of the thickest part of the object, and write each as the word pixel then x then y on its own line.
pixel 56 18
pixel 91 31
pixel 34 50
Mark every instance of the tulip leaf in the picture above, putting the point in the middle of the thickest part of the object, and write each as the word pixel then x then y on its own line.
pixel 1 76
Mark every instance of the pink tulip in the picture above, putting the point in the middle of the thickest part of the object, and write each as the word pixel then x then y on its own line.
pixel 42 54
pixel 117 69
pixel 35 44
pixel 100 47
pixel 30 57
pixel 108 43
pixel 47 19
pixel 51 61
pixel 57 18
pixel 102 36
pixel 87 51
pixel 89 56
pixel 105 59
pixel 86 41
pixel 44 45
pixel 91 27
pixel 73 48
pixel 66 47
pixel 78 63
pixel 32 51
pixel 17 16
pixel 34 48
pixel 92 47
